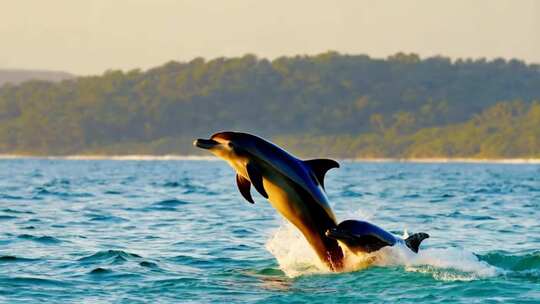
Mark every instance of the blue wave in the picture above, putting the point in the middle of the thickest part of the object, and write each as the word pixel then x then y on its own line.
pixel 179 231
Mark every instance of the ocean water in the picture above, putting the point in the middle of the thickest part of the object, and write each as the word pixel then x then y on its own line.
pixel 98 231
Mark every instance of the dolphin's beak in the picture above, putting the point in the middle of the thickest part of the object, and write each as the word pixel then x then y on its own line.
pixel 205 143
pixel 337 234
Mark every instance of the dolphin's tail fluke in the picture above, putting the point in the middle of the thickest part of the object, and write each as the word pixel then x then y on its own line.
pixel 413 241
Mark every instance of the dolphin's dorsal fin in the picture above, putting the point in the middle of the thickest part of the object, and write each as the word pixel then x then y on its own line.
pixel 244 186
pixel 256 178
pixel 320 166
pixel 413 242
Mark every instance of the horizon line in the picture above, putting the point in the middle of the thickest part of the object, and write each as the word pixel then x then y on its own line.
pixel 179 157
pixel 452 59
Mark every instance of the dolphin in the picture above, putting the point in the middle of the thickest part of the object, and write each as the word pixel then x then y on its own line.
pixel 294 187
pixel 364 237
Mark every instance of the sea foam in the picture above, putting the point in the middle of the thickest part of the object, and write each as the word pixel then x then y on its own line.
pixel 296 258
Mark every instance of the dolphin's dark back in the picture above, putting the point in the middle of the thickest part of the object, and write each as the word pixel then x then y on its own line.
pixel 288 165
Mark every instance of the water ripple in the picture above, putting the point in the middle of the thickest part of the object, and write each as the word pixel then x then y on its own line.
pixel 179 231
pixel 109 256
pixel 47 240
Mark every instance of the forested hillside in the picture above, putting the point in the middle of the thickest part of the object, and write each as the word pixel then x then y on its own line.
pixel 506 130
pixel 329 104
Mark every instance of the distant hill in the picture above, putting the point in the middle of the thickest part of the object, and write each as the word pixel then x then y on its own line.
pixel 15 76
pixel 324 105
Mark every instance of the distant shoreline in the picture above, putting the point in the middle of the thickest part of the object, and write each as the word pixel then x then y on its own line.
pixel 135 157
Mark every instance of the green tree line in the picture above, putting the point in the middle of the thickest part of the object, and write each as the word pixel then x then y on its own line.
pixel 328 104
pixel 505 130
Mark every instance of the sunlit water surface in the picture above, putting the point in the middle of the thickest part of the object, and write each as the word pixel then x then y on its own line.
pixel 179 231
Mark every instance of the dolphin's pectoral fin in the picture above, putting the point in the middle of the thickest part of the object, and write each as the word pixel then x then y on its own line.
pixel 256 178
pixel 413 242
pixel 244 186
pixel 320 166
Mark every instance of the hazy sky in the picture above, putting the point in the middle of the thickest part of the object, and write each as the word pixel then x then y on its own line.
pixel 91 36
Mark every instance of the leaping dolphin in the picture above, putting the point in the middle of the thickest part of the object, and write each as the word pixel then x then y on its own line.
pixel 294 187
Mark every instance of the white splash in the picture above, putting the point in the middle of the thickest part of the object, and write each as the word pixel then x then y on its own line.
pixel 293 253
pixel 295 257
